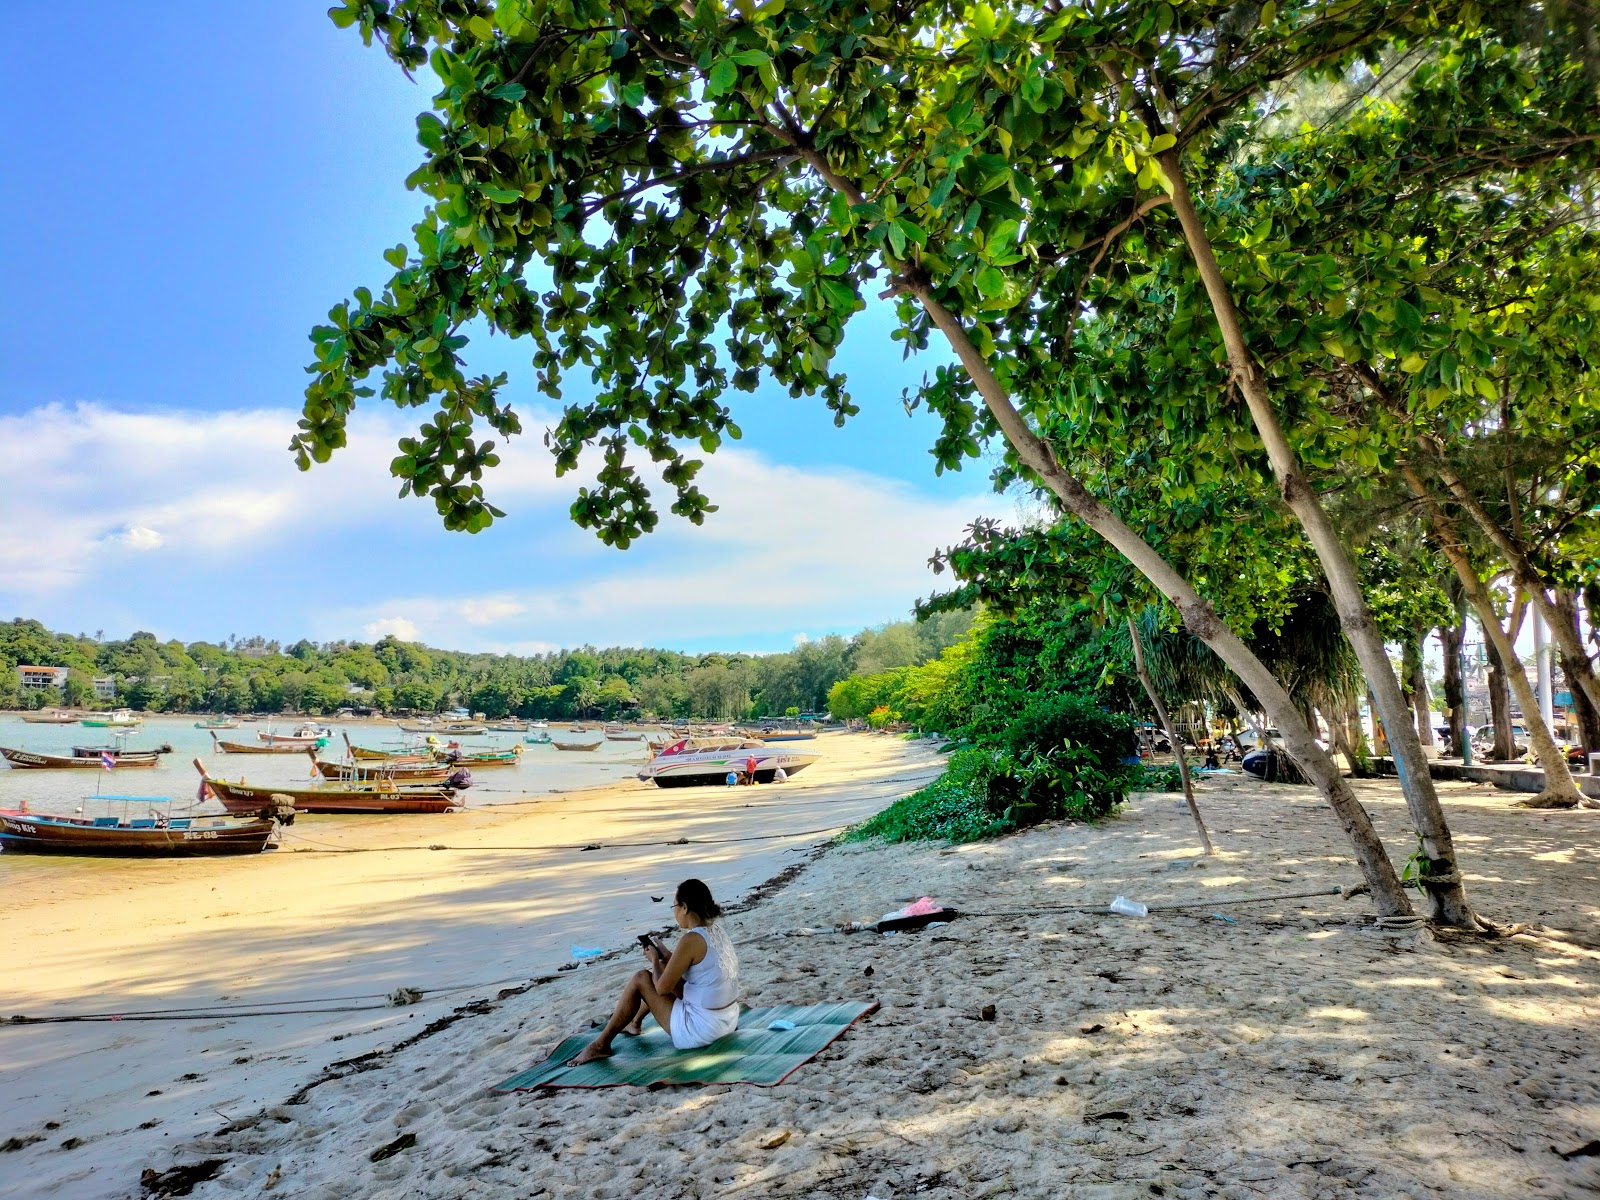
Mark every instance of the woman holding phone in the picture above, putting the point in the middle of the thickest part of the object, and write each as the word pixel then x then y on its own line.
pixel 693 993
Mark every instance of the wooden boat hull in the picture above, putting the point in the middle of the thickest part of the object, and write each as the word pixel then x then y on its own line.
pixel 363 754
pixel 243 798
pixel 577 745
pixel 509 758
pixel 423 772
pixel 31 833
pixel 254 748
pixel 27 760
pixel 54 719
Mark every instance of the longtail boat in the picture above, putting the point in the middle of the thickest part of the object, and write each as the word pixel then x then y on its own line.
pixel 256 747
pixel 385 797
pixel 299 740
pixel 177 837
pixel 29 761
pixel 51 718
pixel 111 720
pixel 368 754
pixel 218 723
pixel 373 772
pixel 413 754
pixel 120 753
pixel 494 757
pixel 559 745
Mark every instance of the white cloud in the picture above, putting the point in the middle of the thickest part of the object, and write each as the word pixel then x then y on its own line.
pixel 384 627
pixel 249 542
pixel 831 548
pixel 221 486
pixel 489 610
pixel 140 537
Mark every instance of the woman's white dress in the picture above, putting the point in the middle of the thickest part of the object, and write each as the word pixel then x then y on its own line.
pixel 709 1006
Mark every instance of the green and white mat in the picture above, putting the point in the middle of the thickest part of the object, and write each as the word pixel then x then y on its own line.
pixel 753 1053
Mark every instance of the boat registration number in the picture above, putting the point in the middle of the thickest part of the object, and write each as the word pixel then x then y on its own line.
pixel 199 835
pixel 21 827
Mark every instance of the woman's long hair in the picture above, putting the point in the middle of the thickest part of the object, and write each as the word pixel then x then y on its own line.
pixel 696 898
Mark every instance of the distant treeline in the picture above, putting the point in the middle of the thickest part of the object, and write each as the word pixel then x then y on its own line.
pixel 258 675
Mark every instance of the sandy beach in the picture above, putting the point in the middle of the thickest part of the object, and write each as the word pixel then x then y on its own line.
pixel 1267 1049
pixel 312 927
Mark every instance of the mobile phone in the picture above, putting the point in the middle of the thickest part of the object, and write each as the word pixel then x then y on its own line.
pixel 646 941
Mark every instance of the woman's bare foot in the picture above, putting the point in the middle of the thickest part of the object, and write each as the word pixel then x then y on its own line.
pixel 633 1028
pixel 591 1052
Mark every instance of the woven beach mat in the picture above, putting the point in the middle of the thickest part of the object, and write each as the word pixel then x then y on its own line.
pixel 753 1053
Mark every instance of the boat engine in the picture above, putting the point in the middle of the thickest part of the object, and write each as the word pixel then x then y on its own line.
pixel 279 808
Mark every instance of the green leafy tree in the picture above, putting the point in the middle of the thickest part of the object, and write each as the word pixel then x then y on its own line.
pixel 729 175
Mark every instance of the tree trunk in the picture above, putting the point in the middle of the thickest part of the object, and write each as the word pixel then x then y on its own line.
pixel 1339 735
pixel 1198 616
pixel 1172 736
pixel 1504 748
pixel 1568 639
pixel 1447 898
pixel 1587 720
pixel 1421 694
pixel 1361 764
pixel 1559 789
pixel 1585 711
pixel 1451 638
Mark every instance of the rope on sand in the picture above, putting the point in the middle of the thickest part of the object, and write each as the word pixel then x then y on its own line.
pixel 574 846
pixel 211 1012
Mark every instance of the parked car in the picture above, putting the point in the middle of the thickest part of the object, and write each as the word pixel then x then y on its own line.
pixel 1483 738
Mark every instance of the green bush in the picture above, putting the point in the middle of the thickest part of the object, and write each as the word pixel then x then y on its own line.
pixel 952 808
pixel 1159 779
pixel 1061 757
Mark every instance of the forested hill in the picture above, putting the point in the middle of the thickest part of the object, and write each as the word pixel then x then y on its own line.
pixel 257 675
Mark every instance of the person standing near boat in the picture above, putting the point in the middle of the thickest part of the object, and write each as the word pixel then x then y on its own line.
pixel 693 993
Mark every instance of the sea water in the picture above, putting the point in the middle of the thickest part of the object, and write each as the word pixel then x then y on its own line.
pixel 174 782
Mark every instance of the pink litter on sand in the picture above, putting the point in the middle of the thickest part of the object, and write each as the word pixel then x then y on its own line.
pixel 917 908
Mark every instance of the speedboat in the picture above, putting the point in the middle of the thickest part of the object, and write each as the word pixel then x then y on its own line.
pixel 111 720
pixel 689 762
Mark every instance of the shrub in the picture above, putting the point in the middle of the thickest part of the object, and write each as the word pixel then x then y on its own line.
pixel 952 808
pixel 1062 757
pixel 1159 779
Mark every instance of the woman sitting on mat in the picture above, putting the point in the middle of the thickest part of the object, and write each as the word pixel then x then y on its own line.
pixel 694 994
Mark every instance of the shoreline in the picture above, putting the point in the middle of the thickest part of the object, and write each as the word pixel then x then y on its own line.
pixel 293 931
pixel 1281 1048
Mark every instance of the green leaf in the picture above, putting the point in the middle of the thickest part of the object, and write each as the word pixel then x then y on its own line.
pixel 991 281
pixel 839 293
pixel 508 91
pixel 724 74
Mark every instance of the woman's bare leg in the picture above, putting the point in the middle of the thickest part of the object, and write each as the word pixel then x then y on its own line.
pixel 636 1026
pixel 641 988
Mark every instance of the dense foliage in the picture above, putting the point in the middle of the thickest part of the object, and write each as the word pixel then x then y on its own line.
pixel 258 675
pixel 1065 757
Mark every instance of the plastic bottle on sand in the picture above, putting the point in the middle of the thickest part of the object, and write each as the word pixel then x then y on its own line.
pixel 1128 908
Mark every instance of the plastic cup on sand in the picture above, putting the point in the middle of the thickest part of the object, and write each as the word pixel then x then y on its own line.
pixel 1122 906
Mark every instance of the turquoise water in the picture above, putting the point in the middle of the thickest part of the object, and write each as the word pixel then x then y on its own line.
pixel 543 769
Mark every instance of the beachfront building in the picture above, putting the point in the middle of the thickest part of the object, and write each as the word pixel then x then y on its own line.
pixel 105 688
pixel 37 679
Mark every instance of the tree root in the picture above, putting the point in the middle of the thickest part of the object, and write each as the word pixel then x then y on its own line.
pixel 1551 799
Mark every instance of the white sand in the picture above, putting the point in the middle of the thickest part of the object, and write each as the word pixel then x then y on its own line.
pixel 108 1099
pixel 1290 1052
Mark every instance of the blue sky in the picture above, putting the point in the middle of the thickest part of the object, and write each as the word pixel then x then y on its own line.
pixel 186 194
